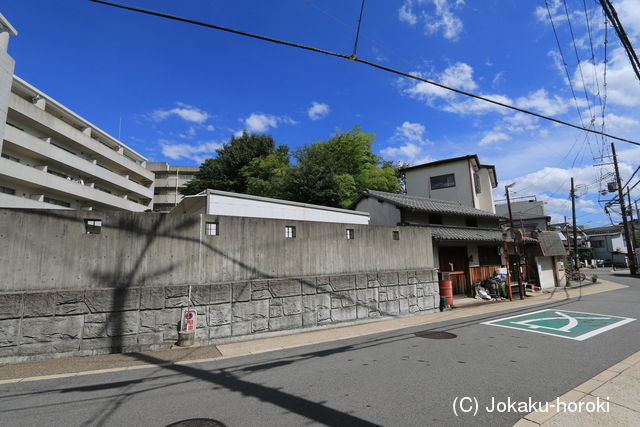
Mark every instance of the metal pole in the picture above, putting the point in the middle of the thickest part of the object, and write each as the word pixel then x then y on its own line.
pixel 506 261
pixel 632 225
pixel 515 245
pixel 576 257
pixel 623 208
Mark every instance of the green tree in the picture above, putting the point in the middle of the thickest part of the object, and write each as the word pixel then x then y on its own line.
pixel 232 169
pixel 336 171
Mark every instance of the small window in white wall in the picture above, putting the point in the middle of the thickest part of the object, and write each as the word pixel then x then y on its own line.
pixel 443 181
pixel 290 231
pixel 476 181
pixel 349 234
pixel 211 228
pixel 92 226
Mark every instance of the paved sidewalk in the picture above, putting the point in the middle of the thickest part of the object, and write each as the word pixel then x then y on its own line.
pixel 619 386
pixel 58 368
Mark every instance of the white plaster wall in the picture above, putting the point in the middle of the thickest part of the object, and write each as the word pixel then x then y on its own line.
pixel 485 197
pixel 381 213
pixel 545 271
pixel 419 182
pixel 236 206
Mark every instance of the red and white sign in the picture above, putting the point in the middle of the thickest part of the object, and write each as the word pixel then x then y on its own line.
pixel 189 320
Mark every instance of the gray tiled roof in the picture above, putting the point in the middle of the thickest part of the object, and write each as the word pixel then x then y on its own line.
pixel 596 231
pixel 446 232
pixel 424 204
pixel 551 243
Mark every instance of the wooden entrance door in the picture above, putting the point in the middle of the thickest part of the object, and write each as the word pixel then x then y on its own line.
pixel 453 259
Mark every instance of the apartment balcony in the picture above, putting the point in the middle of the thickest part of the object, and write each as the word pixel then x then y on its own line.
pixel 34 177
pixel 59 127
pixel 166 199
pixel 170 182
pixel 39 148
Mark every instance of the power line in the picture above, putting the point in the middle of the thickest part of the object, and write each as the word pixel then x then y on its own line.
pixel 355 44
pixel 626 43
pixel 361 61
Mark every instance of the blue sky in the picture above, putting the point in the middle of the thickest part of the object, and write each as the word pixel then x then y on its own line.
pixel 180 90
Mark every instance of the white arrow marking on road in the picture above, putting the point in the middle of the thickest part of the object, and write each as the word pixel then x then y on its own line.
pixel 572 322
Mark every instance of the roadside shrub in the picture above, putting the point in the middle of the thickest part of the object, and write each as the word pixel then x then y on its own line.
pixel 594 278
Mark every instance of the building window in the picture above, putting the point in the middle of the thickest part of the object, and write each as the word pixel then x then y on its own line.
pixel 92 226
pixel 290 231
pixel 443 181
pixel 476 182
pixel 489 255
pixel 472 222
pixel 56 202
pixel 597 243
pixel 211 228
pixel 435 219
pixel 104 190
pixel 349 234
pixel 7 190
pixel 396 235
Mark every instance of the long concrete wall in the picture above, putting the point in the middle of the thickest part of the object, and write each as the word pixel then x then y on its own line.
pixel 46 250
pixel 40 325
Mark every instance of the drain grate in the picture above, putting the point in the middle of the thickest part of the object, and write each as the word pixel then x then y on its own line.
pixel 198 422
pixel 436 335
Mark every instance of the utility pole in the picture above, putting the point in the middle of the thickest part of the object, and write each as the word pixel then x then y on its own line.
pixel 623 208
pixel 633 226
pixel 576 257
pixel 515 245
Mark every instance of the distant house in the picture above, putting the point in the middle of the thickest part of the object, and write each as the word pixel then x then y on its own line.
pixel 608 243
pixel 527 215
pixel 216 202
pixel 461 179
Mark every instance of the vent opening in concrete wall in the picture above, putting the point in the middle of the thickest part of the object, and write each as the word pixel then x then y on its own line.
pixel 349 234
pixel 396 235
pixel 92 226
pixel 290 231
pixel 211 228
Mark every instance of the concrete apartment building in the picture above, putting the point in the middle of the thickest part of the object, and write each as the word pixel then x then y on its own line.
pixel 168 181
pixel 54 159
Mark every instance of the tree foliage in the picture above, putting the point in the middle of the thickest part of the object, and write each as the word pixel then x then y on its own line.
pixel 330 173
pixel 230 170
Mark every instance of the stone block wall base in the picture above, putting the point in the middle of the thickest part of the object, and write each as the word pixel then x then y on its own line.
pixel 55 324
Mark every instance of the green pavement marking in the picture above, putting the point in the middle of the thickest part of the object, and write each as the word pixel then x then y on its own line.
pixel 562 323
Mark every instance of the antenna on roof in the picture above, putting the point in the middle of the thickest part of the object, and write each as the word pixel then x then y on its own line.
pixel 119 128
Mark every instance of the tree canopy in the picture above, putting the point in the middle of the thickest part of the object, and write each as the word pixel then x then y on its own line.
pixel 330 173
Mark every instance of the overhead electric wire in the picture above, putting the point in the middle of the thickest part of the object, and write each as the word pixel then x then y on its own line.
pixel 611 13
pixel 564 62
pixel 355 44
pixel 361 61
pixel 575 49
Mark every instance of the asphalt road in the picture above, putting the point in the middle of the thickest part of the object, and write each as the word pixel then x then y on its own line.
pixel 387 379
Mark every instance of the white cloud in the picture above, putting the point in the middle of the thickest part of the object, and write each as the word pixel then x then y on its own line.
pixel 210 128
pixel 405 13
pixel 259 122
pixel 437 18
pixel 622 84
pixel 197 152
pixel 412 132
pixel 492 136
pixel 412 137
pixel 542 103
pixel 318 110
pixel 184 111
